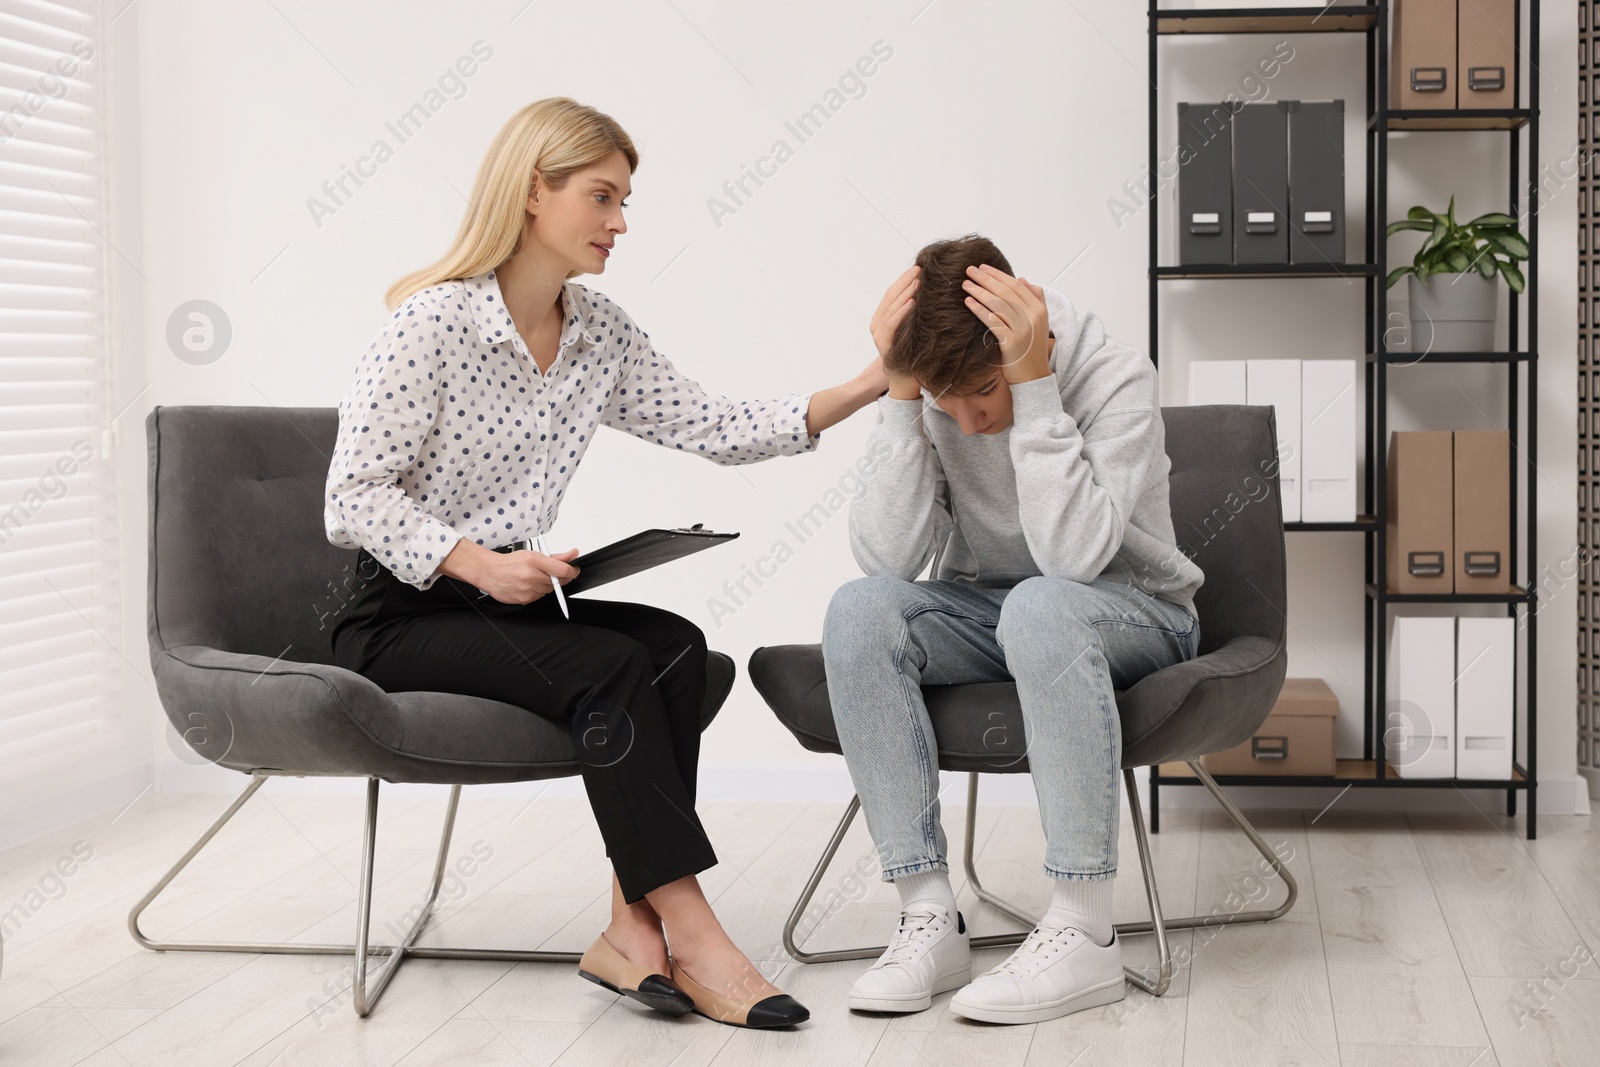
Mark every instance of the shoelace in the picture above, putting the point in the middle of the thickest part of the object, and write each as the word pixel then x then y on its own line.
pixel 1038 949
pixel 916 927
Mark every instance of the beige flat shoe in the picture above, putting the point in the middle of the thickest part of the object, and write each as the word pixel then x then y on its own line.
pixel 757 1013
pixel 603 965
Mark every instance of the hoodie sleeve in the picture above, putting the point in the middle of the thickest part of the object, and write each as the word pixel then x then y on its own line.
pixel 900 518
pixel 1078 487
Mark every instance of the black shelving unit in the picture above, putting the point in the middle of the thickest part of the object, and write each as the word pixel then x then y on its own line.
pixel 1372 771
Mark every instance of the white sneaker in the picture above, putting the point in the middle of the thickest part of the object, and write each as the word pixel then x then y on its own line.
pixel 931 953
pixel 1053 973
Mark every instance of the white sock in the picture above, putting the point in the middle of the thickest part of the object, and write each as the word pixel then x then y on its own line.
pixel 926 887
pixel 1082 903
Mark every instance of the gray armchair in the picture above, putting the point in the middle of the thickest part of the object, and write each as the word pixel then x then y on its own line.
pixel 1226 509
pixel 244 589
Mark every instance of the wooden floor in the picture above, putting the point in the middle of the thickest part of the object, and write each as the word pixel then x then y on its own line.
pixel 1427 939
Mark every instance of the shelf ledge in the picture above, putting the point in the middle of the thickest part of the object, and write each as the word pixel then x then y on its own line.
pixel 1266 270
pixel 1359 772
pixel 1361 522
pixel 1510 118
pixel 1411 359
pixel 1303 19
pixel 1514 594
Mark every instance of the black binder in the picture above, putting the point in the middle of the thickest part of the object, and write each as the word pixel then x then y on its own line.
pixel 1205 190
pixel 645 549
pixel 1316 181
pixel 1261 183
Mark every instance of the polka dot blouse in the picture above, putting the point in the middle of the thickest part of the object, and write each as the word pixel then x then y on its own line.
pixel 451 431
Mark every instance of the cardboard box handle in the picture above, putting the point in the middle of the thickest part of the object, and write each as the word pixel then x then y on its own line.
pixel 1260 222
pixel 1481 564
pixel 1205 222
pixel 1492 79
pixel 1428 79
pixel 1425 564
pixel 1269 748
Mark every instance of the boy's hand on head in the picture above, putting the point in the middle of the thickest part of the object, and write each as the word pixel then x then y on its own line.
pixel 892 311
pixel 893 308
pixel 1014 311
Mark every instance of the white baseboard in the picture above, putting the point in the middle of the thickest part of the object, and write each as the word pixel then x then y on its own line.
pixel 742 784
pixel 32 819
pixel 1582 793
pixel 831 784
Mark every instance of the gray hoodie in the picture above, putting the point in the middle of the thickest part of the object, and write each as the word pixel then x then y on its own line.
pixel 1075 488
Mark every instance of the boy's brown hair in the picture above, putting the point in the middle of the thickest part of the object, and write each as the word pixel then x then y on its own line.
pixel 941 343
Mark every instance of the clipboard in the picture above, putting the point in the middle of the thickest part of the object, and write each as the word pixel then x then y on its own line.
pixel 640 552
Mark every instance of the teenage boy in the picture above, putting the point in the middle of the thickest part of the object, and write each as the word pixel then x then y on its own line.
pixel 1025 455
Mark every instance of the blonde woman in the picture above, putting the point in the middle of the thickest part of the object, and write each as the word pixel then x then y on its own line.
pixel 469 416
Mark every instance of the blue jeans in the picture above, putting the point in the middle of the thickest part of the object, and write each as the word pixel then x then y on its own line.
pixel 1066 644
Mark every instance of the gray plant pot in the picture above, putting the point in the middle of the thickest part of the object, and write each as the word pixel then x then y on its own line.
pixel 1453 312
pixel 1397 325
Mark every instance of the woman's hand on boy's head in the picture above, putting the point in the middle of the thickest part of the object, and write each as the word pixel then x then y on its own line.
pixel 904 387
pixel 879 383
pixel 1014 311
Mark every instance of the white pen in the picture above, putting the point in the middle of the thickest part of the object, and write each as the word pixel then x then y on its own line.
pixel 555 583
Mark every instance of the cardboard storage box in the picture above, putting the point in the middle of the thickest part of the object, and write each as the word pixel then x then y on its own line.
pixel 1296 738
pixel 1482 557
pixel 1423 74
pixel 1421 520
pixel 1484 56
pixel 1449 519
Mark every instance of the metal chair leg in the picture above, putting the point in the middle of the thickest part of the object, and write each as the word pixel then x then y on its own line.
pixel 989 941
pixel 1013 910
pixel 1237 918
pixel 1146 867
pixel 364 1000
pixel 811 889
pixel 1157 921
pixel 365 996
pixel 1158 924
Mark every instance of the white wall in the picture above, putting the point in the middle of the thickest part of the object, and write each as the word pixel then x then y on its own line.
pixel 1021 120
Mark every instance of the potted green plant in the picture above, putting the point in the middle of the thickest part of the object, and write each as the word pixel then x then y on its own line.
pixel 1452 278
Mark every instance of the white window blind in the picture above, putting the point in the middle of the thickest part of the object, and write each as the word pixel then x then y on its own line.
pixel 60 663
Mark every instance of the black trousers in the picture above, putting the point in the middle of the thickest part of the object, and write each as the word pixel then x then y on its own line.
pixel 628 679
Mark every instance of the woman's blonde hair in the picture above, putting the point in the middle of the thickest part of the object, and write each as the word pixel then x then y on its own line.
pixel 556 137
